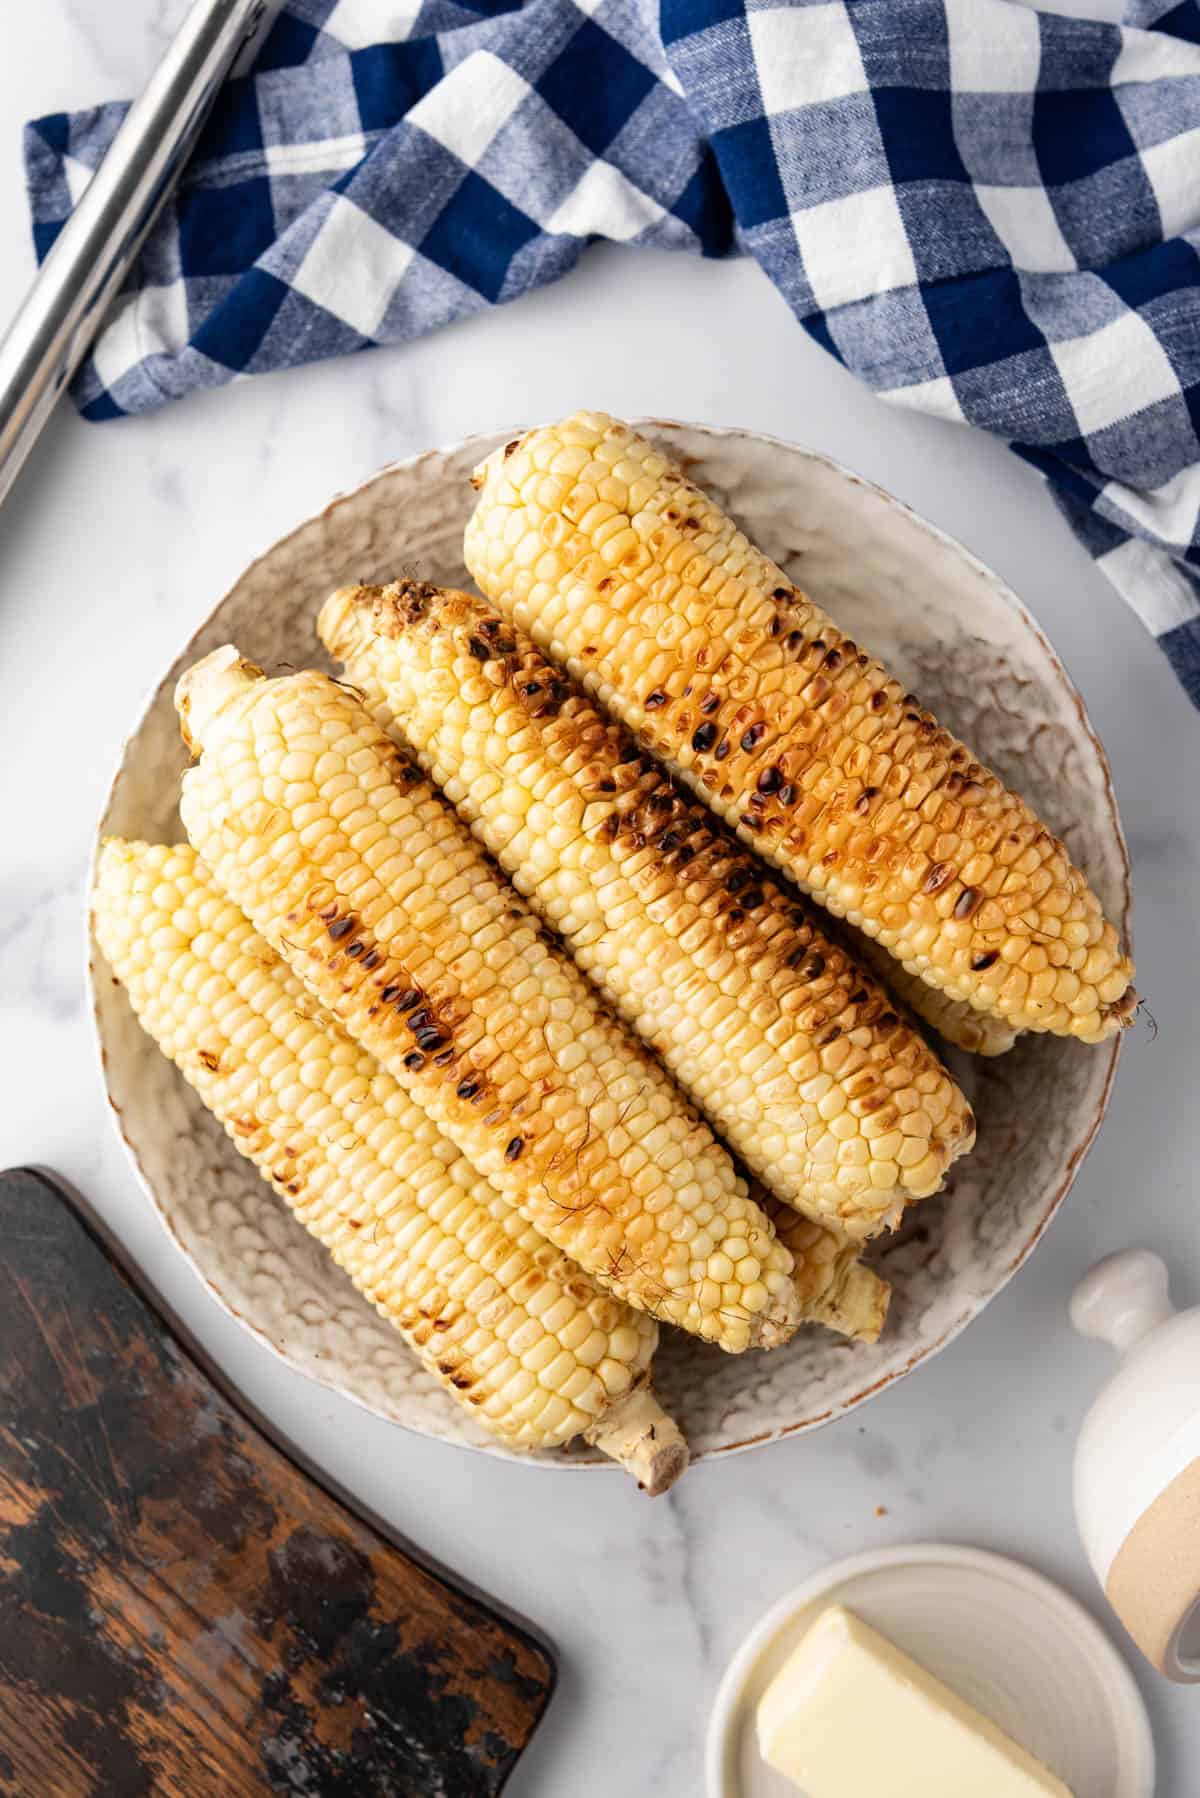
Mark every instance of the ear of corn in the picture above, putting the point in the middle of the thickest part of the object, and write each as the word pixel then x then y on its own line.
pixel 376 894
pixel 634 580
pixel 520 1336
pixel 795 1055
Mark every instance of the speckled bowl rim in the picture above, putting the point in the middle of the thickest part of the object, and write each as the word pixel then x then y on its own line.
pixel 944 544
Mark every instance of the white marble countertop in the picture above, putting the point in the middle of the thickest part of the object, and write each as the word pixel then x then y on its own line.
pixel 117 541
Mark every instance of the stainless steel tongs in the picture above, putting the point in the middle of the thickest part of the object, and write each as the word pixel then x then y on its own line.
pixel 65 307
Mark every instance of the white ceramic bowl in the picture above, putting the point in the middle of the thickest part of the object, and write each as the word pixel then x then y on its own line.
pixel 947 627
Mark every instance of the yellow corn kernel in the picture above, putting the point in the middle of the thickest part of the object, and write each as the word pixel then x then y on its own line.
pixel 956 1021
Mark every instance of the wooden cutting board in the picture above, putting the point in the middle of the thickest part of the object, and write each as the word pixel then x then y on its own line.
pixel 183 1609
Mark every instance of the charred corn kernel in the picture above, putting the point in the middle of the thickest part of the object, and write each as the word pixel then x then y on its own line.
pixel 834 1286
pixel 719 968
pixel 637 582
pixel 955 1021
pixel 518 1334
pixel 376 894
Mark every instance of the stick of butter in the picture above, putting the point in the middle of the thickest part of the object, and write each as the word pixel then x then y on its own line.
pixel 848 1715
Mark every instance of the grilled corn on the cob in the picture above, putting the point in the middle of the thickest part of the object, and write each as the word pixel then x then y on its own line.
pixel 352 867
pixel 836 1104
pixel 627 574
pixel 519 1335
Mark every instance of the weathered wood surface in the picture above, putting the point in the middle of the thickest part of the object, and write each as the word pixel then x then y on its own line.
pixel 183 1611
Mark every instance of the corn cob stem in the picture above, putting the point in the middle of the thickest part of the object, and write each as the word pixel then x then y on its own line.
pixel 377 896
pixel 859 1307
pixel 638 1434
pixel 513 1330
pixel 634 580
pixel 835 1288
pixel 797 1057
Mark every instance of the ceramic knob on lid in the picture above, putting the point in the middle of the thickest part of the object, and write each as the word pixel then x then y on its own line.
pixel 1137 1463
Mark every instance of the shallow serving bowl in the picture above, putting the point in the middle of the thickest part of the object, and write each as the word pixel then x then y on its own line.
pixel 947 627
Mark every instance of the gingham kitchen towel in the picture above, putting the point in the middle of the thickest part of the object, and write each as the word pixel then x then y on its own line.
pixel 987 212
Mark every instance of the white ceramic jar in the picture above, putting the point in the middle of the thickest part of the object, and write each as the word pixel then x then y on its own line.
pixel 1137 1463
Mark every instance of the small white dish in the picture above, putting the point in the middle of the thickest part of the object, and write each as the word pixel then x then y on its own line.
pixel 1011 1642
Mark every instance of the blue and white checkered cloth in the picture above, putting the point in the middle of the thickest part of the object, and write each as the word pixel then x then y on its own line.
pixel 987 212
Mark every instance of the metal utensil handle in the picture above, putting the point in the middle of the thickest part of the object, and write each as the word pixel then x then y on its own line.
pixel 91 257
